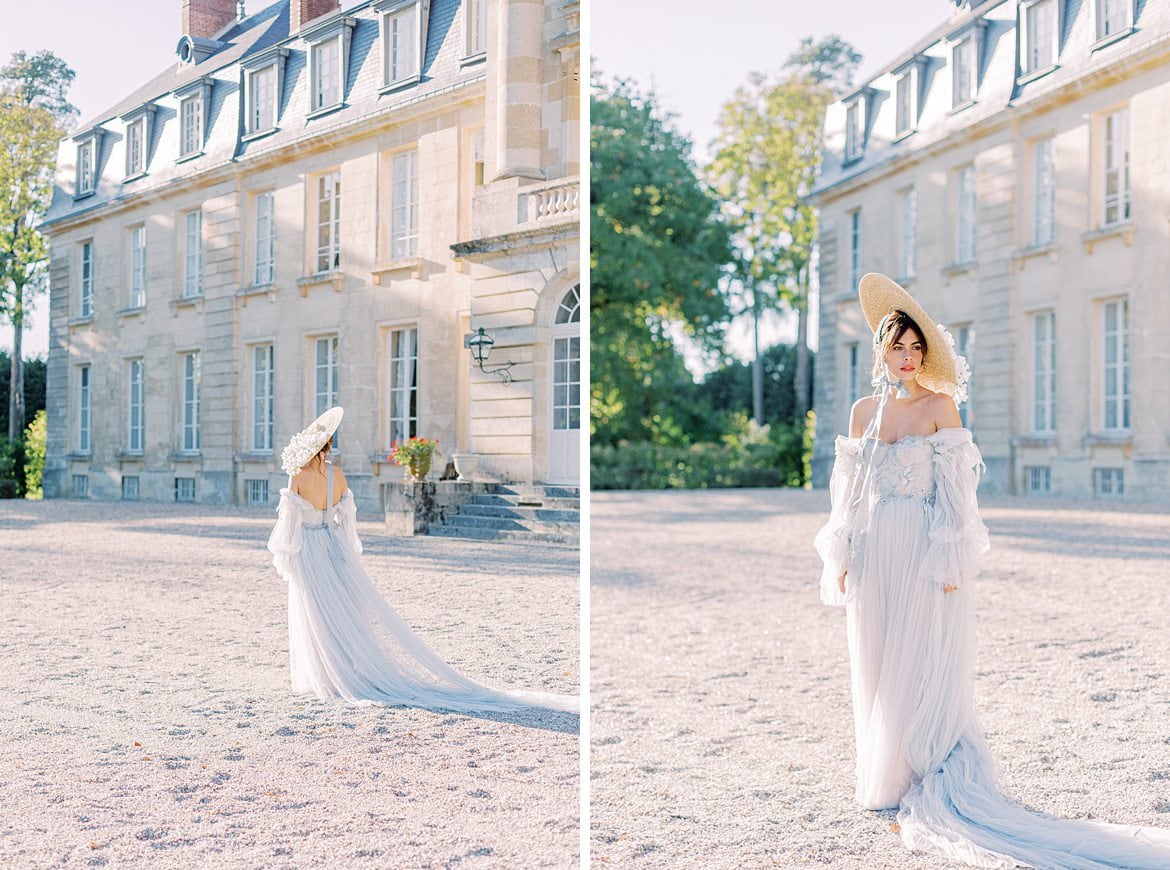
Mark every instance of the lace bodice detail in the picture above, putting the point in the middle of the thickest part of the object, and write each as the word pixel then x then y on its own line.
pixel 311 517
pixel 904 468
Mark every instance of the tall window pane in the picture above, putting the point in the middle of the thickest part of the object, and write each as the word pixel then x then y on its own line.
pixel 908 209
pixel 263 398
pixel 327 65
pixel 136 439
pixel 1112 17
pixel 191 124
pixel 262 99
pixel 329 222
pixel 193 253
pixel 963 74
pixel 86 279
pixel 402 44
pixel 1116 360
pixel 1044 372
pixel 138 267
pixel 1045 186
pixel 191 401
pixel 402 407
pixel 326 378
pixel 1116 147
pixel 135 146
pixel 83 410
pixel 854 248
pixel 1039 25
pixel 965 234
pixel 404 206
pixel 852 131
pixel 904 92
pixel 265 238
pixel 477 26
pixel 85 172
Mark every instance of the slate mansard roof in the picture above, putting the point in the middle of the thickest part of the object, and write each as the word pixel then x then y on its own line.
pixel 1001 87
pixel 443 69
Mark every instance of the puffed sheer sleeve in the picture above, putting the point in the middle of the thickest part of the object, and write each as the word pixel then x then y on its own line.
pixel 347 516
pixel 285 541
pixel 833 541
pixel 958 536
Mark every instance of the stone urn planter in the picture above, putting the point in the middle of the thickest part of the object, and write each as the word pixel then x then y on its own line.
pixel 418 468
pixel 465 464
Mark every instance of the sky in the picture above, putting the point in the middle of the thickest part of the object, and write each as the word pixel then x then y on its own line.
pixel 694 55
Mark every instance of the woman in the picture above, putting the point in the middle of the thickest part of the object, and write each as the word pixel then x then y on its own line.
pixel 900 548
pixel 345 641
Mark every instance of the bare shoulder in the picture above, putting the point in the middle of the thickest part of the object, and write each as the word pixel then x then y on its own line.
pixel 860 415
pixel 943 412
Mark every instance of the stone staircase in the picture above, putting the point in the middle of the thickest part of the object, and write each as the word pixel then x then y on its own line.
pixel 538 513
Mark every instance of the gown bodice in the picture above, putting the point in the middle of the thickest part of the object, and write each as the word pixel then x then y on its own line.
pixel 903 468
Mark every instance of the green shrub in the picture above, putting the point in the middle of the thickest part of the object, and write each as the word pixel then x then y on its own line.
pixel 34 456
pixel 749 455
pixel 10 463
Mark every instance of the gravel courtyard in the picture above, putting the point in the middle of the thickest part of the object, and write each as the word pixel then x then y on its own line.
pixel 721 723
pixel 146 718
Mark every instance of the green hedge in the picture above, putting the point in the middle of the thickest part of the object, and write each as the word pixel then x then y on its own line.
pixel 776 455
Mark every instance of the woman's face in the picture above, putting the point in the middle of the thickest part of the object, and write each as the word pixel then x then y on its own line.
pixel 904 358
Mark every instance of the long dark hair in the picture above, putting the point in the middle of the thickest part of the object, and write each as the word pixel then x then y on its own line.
pixel 890 332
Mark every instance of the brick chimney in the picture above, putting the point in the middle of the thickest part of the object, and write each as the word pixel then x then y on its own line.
pixel 205 18
pixel 301 12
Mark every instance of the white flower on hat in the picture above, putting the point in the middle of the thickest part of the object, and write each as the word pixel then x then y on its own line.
pixel 307 443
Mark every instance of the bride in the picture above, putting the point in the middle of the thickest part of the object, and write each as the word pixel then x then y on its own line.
pixel 900 549
pixel 344 640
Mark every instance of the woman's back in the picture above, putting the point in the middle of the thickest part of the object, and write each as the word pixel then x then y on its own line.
pixel 310 484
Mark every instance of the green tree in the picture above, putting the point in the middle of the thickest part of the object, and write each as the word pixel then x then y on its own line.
pixel 34 388
pixel 658 248
pixel 34 456
pixel 768 153
pixel 33 116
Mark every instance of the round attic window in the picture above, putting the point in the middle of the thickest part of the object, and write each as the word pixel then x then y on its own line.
pixel 186 50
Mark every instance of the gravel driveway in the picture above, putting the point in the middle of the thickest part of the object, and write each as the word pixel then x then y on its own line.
pixel 146 718
pixel 721 723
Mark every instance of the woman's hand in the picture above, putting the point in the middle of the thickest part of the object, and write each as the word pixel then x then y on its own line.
pixel 841 582
pixel 949 588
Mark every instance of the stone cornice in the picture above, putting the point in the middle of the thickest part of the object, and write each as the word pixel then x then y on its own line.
pixel 486 248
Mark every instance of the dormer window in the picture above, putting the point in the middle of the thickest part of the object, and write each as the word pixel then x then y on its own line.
pixel 906 91
pixel 853 130
pixel 966 44
pixel 404 39
pixel 475 24
pixel 1114 19
pixel 194 100
pixel 328 63
pixel 1037 36
pixel 138 128
pixel 262 80
pixel 89 149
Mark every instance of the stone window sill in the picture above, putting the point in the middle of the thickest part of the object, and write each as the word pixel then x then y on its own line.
pixel 1122 229
pixel 186 456
pixel 257 456
pixel 78 197
pixel 952 269
pixel 1106 41
pixel 78 322
pixel 186 157
pixel 134 177
pixel 323 111
pixel 259 134
pixel 333 277
pixel 246 293
pixel 1107 438
pixel 1036 439
pixel 472 59
pixel 904 135
pixel 959 107
pixel 906 281
pixel 399 85
pixel 136 311
pixel 78 456
pixel 401 266
pixel 195 302
pixel 1031 76
pixel 130 456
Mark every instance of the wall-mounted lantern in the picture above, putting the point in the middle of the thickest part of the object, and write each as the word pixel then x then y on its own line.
pixel 481 345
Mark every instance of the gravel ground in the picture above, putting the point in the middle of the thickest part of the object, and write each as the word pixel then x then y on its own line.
pixel 721 726
pixel 146 718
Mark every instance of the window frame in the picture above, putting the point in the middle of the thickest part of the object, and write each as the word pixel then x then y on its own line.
pixel 966 215
pixel 85 409
pixel 191 376
pixel 1043 233
pixel 908 232
pixel 388 11
pixel 854 148
pixel 137 266
pixel 136 406
pixel 86 166
pixel 1031 63
pixel 263 398
pixel 272 60
pixel 855 242
pixel 403 241
pixel 329 251
pixel 1120 366
pixel 323 401
pixel 1100 18
pixel 396 394
pixel 265 244
pixel 474 25
pixel 192 255
pixel 85 269
pixel 1042 412
pixel 1122 200
pixel 140 119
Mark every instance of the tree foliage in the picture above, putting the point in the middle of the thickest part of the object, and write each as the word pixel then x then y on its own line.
pixel 767 156
pixel 658 249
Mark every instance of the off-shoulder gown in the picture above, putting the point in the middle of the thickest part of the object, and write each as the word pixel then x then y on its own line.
pixel 904 523
pixel 345 641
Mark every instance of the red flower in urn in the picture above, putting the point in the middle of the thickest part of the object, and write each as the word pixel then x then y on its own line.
pixel 415 455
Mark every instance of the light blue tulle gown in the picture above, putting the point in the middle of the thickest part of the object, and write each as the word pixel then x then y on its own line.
pixel 905 522
pixel 345 641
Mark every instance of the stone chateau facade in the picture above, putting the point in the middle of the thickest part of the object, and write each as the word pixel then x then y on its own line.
pixel 1011 169
pixel 319 206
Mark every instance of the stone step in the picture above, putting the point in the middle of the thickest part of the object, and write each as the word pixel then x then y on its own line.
pixel 510 524
pixel 541 490
pixel 530 501
pixel 543 538
pixel 549 515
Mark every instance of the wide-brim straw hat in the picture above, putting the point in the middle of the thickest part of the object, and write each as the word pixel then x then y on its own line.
pixel 879 297
pixel 307 443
